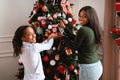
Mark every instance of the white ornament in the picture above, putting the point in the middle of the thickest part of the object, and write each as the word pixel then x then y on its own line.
pixel 34 12
pixel 19 61
pixel 64 1
pixel 70 19
pixel 64 16
pixel 48 15
pixel 49 26
pixel 59 15
pixel 52 62
pixel 54 48
pixel 76 71
pixel 76 51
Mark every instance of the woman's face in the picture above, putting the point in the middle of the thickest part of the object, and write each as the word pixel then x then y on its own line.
pixel 29 35
pixel 83 18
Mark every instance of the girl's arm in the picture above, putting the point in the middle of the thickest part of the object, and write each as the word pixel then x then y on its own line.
pixel 45 45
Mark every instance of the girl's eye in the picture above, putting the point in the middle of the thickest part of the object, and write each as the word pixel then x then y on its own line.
pixel 30 34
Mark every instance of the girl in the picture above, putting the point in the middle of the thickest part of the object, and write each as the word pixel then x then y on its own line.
pixel 25 46
pixel 86 42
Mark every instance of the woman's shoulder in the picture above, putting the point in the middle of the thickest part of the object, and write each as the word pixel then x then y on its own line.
pixel 85 29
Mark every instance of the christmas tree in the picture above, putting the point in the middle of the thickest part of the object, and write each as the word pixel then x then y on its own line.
pixel 60 62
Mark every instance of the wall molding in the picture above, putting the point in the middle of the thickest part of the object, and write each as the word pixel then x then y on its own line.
pixel 6 53
pixel 6 39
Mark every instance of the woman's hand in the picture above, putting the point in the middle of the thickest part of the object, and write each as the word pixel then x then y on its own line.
pixel 61 24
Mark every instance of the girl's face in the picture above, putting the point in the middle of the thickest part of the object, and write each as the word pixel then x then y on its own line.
pixel 83 18
pixel 29 35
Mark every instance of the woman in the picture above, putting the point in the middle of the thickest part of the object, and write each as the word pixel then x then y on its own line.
pixel 87 42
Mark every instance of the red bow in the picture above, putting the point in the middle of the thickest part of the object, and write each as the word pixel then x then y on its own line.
pixel 66 7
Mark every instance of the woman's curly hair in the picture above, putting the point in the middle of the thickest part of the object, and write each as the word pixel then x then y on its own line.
pixel 17 39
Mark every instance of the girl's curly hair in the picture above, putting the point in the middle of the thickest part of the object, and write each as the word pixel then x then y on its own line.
pixel 17 39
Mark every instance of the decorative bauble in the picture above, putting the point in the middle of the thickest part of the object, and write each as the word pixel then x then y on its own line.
pixel 54 48
pixel 55 15
pixel 48 15
pixel 49 26
pixel 73 22
pixel 57 57
pixel 61 69
pixel 47 70
pixel 29 21
pixel 20 62
pixel 76 71
pixel 45 58
pixel 42 21
pixel 70 19
pixel 71 67
pixel 59 15
pixel 65 21
pixel 55 77
pixel 118 41
pixel 52 62
pixel 76 51
pixel 44 8
pixel 68 51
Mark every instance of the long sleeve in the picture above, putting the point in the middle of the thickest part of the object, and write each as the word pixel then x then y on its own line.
pixel 81 39
pixel 45 45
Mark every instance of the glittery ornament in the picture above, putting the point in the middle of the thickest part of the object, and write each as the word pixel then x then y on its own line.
pixel 57 57
pixel 68 51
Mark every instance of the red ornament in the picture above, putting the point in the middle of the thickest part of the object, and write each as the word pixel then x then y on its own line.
pixel 38 5
pixel 73 22
pixel 35 10
pixel 71 67
pixel 61 69
pixel 116 31
pixel 113 30
pixel 46 58
pixel 17 74
pixel 42 21
pixel 47 70
pixel 55 77
pixel 118 41
pixel 29 21
pixel 54 28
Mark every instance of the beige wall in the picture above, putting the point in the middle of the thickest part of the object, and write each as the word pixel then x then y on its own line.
pixel 13 13
pixel 97 4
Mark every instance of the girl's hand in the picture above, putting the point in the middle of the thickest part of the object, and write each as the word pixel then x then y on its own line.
pixel 53 35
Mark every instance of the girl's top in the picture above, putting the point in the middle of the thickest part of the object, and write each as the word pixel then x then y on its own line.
pixel 31 59
pixel 84 43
